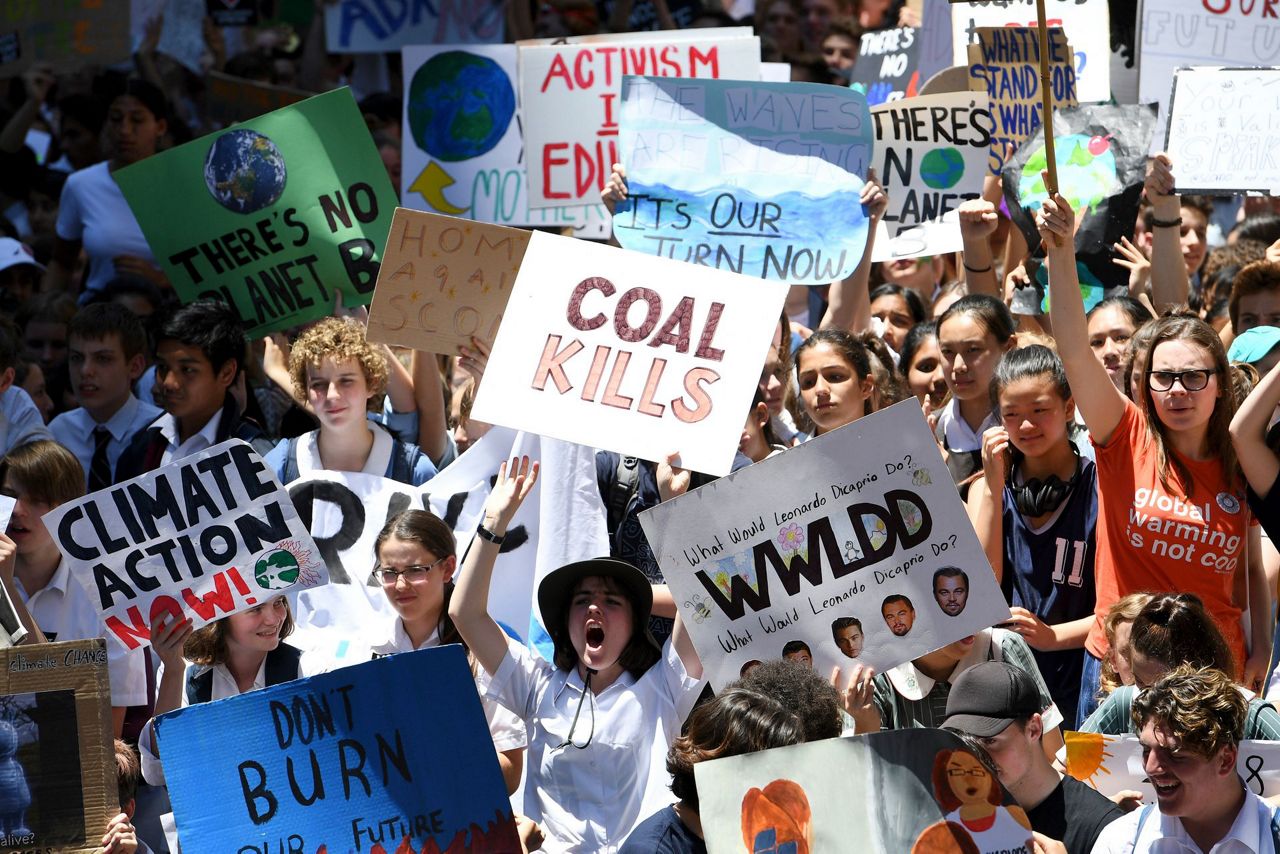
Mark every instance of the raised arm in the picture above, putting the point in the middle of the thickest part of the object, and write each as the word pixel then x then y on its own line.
pixel 427 390
pixel 978 221
pixel 469 605
pixel 986 499
pixel 1249 433
pixel 849 300
pixel 683 645
pixel 1170 283
pixel 1100 402
pixel 8 562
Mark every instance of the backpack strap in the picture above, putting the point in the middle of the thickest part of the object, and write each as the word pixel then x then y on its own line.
pixel 1142 820
pixel 1275 828
pixel 199 684
pixel 401 461
pixel 290 473
pixel 626 483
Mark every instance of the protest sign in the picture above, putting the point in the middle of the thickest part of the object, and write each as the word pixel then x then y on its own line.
pixel 374 26
pixel 1224 130
pixel 1175 33
pixel 1085 22
pixel 67 35
pixel 232 13
pixel 1113 763
pixel 865 516
pixel 352 760
pixel 462 145
pixel 442 281
pixel 201 538
pixel 229 99
pixel 271 216
pixel 1005 63
pixel 346 511
pixel 888 65
pixel 570 103
pixel 761 179
pixel 931 155
pixel 1101 152
pixel 182 37
pixel 918 790
pixel 57 759
pixel 583 310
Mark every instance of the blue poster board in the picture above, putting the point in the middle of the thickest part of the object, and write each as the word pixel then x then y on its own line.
pixel 388 751
pixel 762 179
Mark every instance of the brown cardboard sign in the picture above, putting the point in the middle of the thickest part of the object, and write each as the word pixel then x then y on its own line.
pixel 68 35
pixel 57 760
pixel 443 280
pixel 230 99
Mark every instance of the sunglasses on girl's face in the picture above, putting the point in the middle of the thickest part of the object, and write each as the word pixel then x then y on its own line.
pixel 1192 380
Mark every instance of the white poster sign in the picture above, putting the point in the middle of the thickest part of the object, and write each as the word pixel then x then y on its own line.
pixel 854 544
pixel 1223 132
pixel 1113 764
pixel 630 353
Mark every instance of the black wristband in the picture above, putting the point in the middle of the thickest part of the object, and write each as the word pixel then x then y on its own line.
pixel 1166 223
pixel 986 269
pixel 485 534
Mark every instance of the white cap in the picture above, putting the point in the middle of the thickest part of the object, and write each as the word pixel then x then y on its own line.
pixel 14 253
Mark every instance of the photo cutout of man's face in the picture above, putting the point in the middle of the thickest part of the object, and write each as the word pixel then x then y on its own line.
pixel 849 640
pixel 899 615
pixel 951 593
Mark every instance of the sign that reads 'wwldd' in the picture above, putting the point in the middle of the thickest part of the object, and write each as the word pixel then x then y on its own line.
pixel 202 538
pixel 854 544
pixel 761 179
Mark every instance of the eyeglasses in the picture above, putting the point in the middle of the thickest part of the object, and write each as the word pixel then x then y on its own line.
pixel 411 574
pixel 966 772
pixel 1192 380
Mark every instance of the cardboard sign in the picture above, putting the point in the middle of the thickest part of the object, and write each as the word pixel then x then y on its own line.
pixel 442 281
pixel 918 790
pixel 374 26
pixel 570 100
pixel 233 13
pixel 859 524
pixel 1006 65
pixel 761 179
pixel 462 145
pixel 1212 32
pixel 889 65
pixel 351 760
pixel 271 216
pixel 1222 130
pixel 1087 24
pixel 931 155
pixel 59 769
pixel 68 35
pixel 621 351
pixel 1113 764
pixel 230 99
pixel 202 538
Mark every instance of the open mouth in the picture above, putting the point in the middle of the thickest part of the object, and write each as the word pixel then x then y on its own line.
pixel 595 636
pixel 1166 789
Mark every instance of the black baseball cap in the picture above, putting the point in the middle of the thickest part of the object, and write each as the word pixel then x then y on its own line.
pixel 988 697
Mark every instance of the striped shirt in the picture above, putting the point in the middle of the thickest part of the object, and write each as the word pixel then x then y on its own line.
pixel 1115 716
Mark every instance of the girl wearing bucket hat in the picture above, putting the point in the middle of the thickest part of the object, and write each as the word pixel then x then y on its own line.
pixel 600 719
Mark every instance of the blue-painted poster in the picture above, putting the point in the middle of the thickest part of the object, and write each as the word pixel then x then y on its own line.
pixel 761 179
pixel 391 754
pixel 375 26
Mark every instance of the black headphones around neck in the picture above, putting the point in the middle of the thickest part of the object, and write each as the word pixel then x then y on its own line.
pixel 1037 497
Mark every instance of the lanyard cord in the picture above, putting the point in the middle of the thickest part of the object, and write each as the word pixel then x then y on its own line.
pixel 569 742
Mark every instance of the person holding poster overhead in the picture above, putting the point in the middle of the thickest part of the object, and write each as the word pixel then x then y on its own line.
pixel 601 718
pixel 1171 506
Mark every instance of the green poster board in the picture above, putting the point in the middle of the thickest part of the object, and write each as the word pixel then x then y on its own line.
pixel 273 215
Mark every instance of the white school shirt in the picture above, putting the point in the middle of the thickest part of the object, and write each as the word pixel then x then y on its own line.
pixel 20 421
pixel 956 429
pixel 1147 831
pixel 506 729
pixel 591 799
pixel 64 610
pixel 93 210
pixel 206 437
pixel 74 429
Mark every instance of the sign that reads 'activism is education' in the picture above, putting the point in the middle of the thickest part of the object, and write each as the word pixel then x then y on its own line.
pixel 58 768
pixel 854 544
pixel 352 760
pixel 272 215
pixel 931 155
pixel 443 280
pixel 570 100
pixel 201 538
pixel 630 353
pixel 1005 63
pixel 1224 130
pixel 377 26
pixel 888 65
pixel 761 179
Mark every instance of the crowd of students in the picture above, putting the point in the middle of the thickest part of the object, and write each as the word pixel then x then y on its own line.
pixel 1117 464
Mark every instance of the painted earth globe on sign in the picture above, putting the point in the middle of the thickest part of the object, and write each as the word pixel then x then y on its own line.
pixel 460 105
pixel 276 570
pixel 244 171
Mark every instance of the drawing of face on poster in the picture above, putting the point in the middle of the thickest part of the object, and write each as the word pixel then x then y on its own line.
pixel 967 790
pixel 847 633
pixel 777 818
pixel 951 590
pixel 899 614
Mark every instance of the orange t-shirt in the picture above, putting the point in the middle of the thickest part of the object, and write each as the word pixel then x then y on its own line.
pixel 1150 540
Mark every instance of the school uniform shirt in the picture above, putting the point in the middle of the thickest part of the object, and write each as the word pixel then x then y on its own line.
pixel 20 421
pixel 590 799
pixel 64 611
pixel 204 438
pixel 962 444
pixel 1147 831
pixel 74 429
pixel 94 211
pixel 907 699
pixel 506 729
pixel 1049 571
pixel 379 462
pixel 1151 540
pixel 1114 715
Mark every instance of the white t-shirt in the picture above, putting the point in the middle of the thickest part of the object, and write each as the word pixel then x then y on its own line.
pixel 93 210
